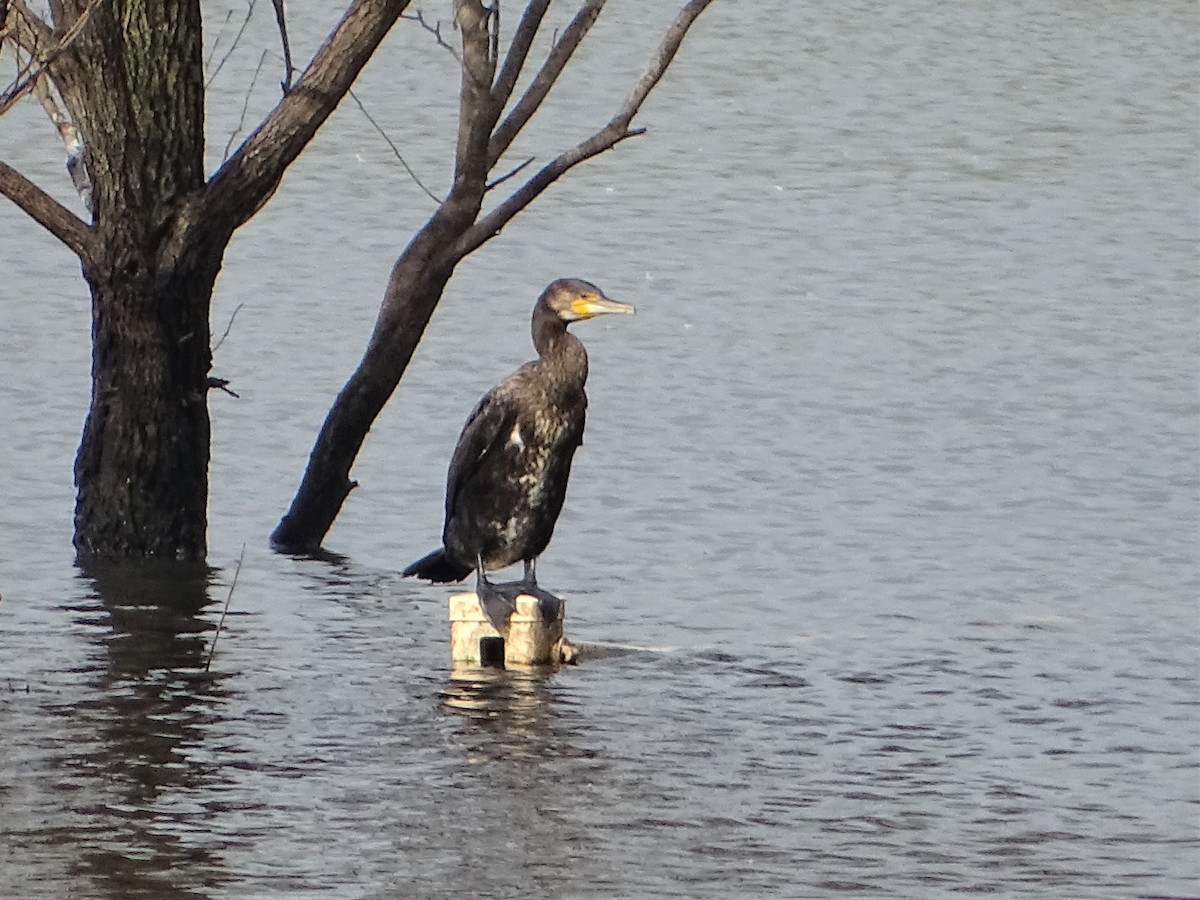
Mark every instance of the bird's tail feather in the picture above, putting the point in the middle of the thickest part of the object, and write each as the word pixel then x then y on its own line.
pixel 438 567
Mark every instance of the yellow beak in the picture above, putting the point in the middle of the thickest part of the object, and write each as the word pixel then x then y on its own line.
pixel 590 307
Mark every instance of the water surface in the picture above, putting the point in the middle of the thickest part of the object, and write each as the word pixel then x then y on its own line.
pixel 890 490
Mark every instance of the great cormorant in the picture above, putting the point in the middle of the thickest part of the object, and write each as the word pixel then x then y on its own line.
pixel 508 475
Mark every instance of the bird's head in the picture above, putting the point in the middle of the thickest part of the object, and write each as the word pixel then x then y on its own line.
pixel 573 300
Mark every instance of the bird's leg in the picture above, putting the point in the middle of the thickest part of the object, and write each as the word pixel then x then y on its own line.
pixel 549 605
pixel 493 601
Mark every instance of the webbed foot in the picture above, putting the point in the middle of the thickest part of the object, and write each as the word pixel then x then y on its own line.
pixel 497 601
pixel 496 604
pixel 548 605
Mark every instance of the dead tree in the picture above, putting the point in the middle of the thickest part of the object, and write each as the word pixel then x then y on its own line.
pixel 123 80
pixel 130 74
pixel 490 118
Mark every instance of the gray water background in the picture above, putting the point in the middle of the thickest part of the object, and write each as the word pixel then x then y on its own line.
pixel 893 480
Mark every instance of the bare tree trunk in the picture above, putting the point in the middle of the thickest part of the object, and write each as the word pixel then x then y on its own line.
pixel 131 74
pixel 416 284
pixel 455 230
pixel 142 467
pixel 327 480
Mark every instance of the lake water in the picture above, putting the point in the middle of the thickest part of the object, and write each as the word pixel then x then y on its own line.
pixel 890 496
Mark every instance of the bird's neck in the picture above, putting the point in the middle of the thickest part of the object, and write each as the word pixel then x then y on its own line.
pixel 562 352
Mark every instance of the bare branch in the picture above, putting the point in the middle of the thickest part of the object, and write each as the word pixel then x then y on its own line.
pixel 248 178
pixel 222 384
pixel 532 99
pixel 490 225
pixel 661 61
pixel 35 34
pixel 44 36
pixel 288 71
pixel 511 174
pixel 396 150
pixel 475 22
pixel 245 103
pixel 427 263
pixel 434 29
pixel 27 29
pixel 212 648
pixel 518 50
pixel 478 111
pixel 70 138
pixel 237 309
pixel 21 86
pixel 494 25
pixel 212 51
pixel 29 33
pixel 612 134
pixel 228 53
pixel 48 212
pixel 41 89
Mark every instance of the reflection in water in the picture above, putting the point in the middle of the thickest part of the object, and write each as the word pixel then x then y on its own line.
pixel 135 737
pixel 521 749
pixel 511 708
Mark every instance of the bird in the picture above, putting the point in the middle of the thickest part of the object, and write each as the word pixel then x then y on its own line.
pixel 507 478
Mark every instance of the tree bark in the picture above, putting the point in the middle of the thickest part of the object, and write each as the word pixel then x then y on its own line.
pixel 135 85
pixel 142 466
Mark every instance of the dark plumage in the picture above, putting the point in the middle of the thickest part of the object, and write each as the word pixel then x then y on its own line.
pixel 508 475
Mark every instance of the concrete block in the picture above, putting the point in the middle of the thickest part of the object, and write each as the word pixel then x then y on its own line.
pixel 530 641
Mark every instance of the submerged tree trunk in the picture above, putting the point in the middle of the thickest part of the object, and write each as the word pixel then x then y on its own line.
pixel 131 74
pixel 142 466
pixel 136 89
pixel 416 284
pixel 327 481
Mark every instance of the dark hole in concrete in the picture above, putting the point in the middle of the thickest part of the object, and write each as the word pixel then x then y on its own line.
pixel 491 652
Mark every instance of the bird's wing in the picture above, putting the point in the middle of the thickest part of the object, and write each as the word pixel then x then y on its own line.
pixel 487 424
